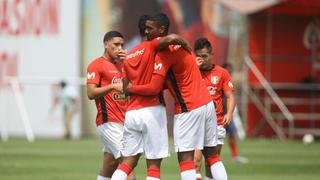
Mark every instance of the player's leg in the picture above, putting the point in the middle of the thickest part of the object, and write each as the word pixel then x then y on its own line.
pixel 131 176
pixel 68 114
pixel 221 137
pixel 109 165
pixel 198 163
pixel 155 139
pixel 153 171
pixel 110 135
pixel 187 166
pixel 211 151
pixel 188 136
pixel 132 145
pixel 231 130
pixel 217 169
pixel 126 167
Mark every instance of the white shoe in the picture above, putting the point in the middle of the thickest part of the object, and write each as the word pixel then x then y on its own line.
pixel 240 159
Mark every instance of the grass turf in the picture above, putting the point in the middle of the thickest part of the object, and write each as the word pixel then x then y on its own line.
pixel 81 160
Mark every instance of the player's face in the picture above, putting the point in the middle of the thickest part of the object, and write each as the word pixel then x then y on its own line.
pixel 114 47
pixel 153 31
pixel 204 58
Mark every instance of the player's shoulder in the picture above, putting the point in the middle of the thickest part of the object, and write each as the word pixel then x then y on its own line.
pixel 95 62
pixel 221 69
pixel 138 50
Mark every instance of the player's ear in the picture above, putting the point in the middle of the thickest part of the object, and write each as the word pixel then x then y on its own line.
pixel 162 29
pixel 105 44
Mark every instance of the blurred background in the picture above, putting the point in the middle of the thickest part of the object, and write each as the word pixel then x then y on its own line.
pixel 273 46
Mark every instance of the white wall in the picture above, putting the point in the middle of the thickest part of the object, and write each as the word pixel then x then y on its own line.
pixel 44 40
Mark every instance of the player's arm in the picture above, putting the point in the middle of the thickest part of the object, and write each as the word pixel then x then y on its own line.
pixel 153 88
pixel 126 84
pixel 93 91
pixel 173 39
pixel 230 107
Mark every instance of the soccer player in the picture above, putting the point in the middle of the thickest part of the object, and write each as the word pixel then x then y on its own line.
pixel 68 98
pixel 145 129
pixel 219 83
pixel 194 119
pixel 231 128
pixel 104 85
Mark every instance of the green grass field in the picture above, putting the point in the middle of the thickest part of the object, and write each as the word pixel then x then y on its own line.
pixel 81 160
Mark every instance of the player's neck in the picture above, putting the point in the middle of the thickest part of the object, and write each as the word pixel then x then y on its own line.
pixel 107 58
pixel 209 68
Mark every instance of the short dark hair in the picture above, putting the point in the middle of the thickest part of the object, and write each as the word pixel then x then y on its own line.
pixel 161 19
pixel 62 84
pixel 202 43
pixel 142 24
pixel 111 34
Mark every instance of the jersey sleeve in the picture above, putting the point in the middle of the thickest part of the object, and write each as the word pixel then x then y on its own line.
pixel 227 83
pixel 153 88
pixel 93 74
pixel 162 64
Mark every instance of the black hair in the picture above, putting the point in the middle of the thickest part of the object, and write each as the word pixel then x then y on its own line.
pixel 111 34
pixel 62 84
pixel 142 24
pixel 161 19
pixel 202 43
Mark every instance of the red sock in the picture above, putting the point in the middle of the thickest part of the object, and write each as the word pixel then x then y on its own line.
pixel 187 165
pixel 125 168
pixel 153 172
pixel 233 147
pixel 213 159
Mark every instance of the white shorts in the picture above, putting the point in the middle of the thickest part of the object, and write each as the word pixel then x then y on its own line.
pixel 195 129
pixel 110 135
pixel 145 130
pixel 221 134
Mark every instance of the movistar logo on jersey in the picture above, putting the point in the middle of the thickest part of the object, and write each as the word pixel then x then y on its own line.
pixel 136 53
pixel 91 75
pixel 157 66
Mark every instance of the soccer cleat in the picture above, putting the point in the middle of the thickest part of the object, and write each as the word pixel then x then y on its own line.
pixel 240 159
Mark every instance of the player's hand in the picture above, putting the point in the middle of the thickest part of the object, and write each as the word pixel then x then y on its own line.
pixel 199 61
pixel 126 91
pixel 122 54
pixel 118 87
pixel 226 120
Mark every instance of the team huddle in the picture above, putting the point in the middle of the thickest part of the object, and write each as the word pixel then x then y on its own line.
pixel 131 119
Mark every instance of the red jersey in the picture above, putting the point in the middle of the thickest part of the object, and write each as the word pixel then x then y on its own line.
pixel 111 107
pixel 183 78
pixel 218 82
pixel 139 67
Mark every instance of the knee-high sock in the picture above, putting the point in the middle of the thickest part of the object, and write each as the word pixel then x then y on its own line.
pixel 207 178
pixel 199 176
pixel 233 147
pixel 122 172
pixel 153 174
pixel 216 167
pixel 99 177
pixel 188 170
